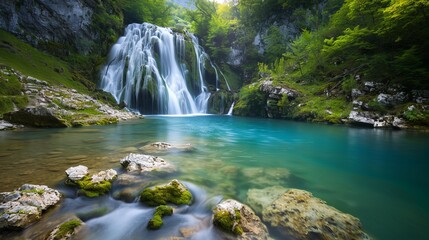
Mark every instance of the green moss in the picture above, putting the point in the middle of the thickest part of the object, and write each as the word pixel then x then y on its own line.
pixel 40 191
pixel 67 228
pixel 251 102
pixel 161 211
pixel 228 222
pixel 91 189
pixel 171 193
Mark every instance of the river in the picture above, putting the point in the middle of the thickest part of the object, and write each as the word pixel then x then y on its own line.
pixel 379 176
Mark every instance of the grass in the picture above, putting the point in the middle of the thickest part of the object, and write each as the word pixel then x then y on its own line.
pixel 32 62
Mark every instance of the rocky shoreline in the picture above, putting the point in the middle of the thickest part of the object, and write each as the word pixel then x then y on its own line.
pixel 290 212
pixel 58 106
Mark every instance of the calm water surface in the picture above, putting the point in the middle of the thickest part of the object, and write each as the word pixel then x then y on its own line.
pixel 379 176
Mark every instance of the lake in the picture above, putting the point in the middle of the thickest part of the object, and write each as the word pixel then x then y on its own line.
pixel 379 176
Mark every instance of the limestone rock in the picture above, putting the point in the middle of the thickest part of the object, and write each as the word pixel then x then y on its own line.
pixel 164 147
pixel 173 192
pixel 24 206
pixel 144 163
pixel 107 175
pixel 239 221
pixel 363 118
pixel 4 125
pixel 259 199
pixel 77 173
pixel 262 177
pixel 299 215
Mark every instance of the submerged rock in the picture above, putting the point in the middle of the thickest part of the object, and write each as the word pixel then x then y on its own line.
pixel 91 186
pixel 158 147
pixel 174 192
pixel 262 177
pixel 66 230
pixel 144 163
pixel 234 217
pixel 299 215
pixel 259 199
pixel 24 206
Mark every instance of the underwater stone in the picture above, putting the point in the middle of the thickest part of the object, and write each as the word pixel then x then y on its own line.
pixel 298 215
pixel 66 230
pixel 259 199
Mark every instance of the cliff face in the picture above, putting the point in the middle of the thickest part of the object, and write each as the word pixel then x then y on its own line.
pixel 43 21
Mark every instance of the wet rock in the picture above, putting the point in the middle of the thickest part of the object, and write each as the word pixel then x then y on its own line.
pixel 66 230
pixel 90 186
pixel 36 116
pixel 299 215
pixel 4 125
pixel 25 205
pixel 143 163
pixel 77 173
pixel 160 211
pixel 363 118
pixel 107 175
pixel 259 199
pixel 238 220
pixel 399 123
pixel 174 192
pixel 164 147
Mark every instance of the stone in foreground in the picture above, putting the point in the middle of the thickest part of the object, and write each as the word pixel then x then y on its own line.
pixel 174 192
pixel 239 221
pixel 299 215
pixel 145 163
pixel 91 186
pixel 66 230
pixel 24 206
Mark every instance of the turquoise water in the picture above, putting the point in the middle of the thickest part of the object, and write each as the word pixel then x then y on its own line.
pixel 379 176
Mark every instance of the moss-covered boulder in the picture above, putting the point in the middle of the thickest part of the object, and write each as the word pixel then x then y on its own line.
pixel 174 192
pixel 66 230
pixel 90 186
pixel 161 211
pixel 237 219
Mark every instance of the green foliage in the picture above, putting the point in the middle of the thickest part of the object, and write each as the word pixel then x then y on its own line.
pixel 228 222
pixel 417 116
pixel 251 102
pixel 349 84
pixel 67 228
pixel 161 211
pixel 171 193
pixel 153 11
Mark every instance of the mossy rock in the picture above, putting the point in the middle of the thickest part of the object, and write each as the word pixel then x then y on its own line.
pixel 66 230
pixel 228 221
pixel 91 189
pixel 173 192
pixel 156 221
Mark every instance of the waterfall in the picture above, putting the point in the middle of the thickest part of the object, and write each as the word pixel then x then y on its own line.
pixel 149 70
pixel 231 109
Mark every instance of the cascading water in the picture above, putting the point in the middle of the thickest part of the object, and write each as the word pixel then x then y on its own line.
pixel 149 72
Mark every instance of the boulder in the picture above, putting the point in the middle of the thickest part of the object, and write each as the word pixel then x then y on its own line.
pixel 173 192
pixel 4 125
pixel 363 118
pixel 158 147
pixel 238 220
pixel 262 177
pixel 25 205
pixel 259 199
pixel 145 163
pixel 90 186
pixel 298 215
